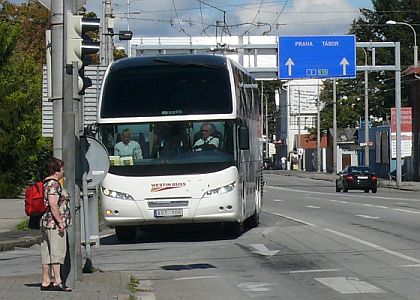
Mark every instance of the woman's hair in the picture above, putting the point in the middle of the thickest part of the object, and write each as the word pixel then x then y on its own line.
pixel 53 165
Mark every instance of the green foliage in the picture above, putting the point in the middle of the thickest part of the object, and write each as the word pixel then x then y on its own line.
pixel 22 147
pixel 24 225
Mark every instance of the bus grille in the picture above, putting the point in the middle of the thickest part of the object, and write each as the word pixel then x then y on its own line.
pixel 154 204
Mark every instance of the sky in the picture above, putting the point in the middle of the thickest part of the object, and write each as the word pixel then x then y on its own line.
pixel 243 17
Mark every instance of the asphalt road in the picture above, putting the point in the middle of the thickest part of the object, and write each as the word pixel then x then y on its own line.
pixel 312 243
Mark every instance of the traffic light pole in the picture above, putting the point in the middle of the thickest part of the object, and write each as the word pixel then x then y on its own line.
pixel 70 140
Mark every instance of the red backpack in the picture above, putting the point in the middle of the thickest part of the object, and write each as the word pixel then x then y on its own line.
pixel 34 199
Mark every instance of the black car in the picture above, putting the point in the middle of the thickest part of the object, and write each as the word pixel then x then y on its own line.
pixel 357 178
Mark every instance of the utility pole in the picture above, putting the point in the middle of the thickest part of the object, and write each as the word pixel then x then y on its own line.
pixel 366 111
pixel 334 152
pixel 318 134
pixel 298 124
pixel 57 67
pixel 69 148
pixel 107 34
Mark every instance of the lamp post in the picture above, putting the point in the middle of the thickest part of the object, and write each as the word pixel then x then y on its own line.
pixel 366 112
pixel 392 22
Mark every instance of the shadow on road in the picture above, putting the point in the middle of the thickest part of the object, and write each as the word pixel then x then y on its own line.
pixel 176 233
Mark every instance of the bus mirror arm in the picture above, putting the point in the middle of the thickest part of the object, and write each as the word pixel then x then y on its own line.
pixel 243 138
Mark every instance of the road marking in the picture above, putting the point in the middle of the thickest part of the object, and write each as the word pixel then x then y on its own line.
pixel 410 266
pixel 290 218
pixel 312 206
pixel 339 201
pixel 255 286
pixel 377 247
pixel 380 206
pixel 196 277
pixel 261 249
pixel 349 285
pixel 335 194
pixel 368 205
pixel 310 271
pixel 367 217
pixel 277 200
pixel 407 211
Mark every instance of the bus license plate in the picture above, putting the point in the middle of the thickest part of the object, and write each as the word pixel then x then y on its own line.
pixel 159 213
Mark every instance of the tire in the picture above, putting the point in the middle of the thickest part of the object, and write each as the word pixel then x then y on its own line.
pixel 254 220
pixel 374 190
pixel 337 189
pixel 233 229
pixel 367 191
pixel 345 189
pixel 126 233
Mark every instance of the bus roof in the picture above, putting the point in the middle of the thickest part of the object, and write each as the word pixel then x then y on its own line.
pixel 201 59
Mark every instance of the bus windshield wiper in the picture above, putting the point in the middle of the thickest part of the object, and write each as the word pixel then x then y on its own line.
pixel 183 64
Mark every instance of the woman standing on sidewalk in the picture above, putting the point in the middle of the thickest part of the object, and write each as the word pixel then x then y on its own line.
pixel 53 226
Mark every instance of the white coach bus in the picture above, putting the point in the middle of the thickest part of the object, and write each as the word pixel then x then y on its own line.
pixel 183 134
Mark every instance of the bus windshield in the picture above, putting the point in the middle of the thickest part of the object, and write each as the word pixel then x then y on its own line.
pixel 166 90
pixel 156 148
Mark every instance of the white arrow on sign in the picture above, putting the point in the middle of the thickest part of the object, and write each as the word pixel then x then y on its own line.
pixel 263 250
pixel 344 63
pixel 289 63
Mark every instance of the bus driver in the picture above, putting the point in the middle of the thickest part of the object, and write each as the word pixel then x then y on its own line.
pixel 207 140
pixel 128 147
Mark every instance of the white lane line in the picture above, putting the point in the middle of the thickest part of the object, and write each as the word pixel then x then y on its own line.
pixel 252 287
pixel 349 285
pixel 312 206
pixel 311 271
pixel 380 206
pixel 340 201
pixel 407 211
pixel 374 246
pixel 290 218
pixel 306 193
pixel 367 217
pixel 277 200
pixel 196 277
pixel 410 266
pixel 368 205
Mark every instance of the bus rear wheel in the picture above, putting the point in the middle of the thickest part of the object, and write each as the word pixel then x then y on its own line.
pixel 126 233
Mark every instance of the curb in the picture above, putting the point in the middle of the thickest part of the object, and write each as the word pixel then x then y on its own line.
pixel 25 239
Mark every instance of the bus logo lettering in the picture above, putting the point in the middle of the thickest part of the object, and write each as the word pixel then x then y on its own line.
pixel 158 187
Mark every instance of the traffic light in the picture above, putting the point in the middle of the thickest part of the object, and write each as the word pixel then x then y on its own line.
pixel 80 46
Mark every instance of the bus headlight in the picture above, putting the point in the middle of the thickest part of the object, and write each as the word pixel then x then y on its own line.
pixel 219 191
pixel 115 194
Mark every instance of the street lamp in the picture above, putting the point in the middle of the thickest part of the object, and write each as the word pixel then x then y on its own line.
pixel 392 22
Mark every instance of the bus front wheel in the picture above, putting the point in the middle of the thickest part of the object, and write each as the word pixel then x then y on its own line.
pixel 126 233
pixel 233 229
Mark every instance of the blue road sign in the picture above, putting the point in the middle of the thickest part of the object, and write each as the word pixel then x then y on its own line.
pixel 302 57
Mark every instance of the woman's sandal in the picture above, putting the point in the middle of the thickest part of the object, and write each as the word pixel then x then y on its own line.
pixel 46 288
pixel 60 288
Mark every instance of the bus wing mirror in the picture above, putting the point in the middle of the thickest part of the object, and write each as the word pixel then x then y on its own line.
pixel 243 138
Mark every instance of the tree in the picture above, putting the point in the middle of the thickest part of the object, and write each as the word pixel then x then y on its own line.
pixel 22 148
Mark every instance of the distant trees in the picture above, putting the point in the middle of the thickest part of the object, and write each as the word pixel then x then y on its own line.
pixel 22 53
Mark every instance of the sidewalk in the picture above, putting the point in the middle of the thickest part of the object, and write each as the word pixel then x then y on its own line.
pixel 98 285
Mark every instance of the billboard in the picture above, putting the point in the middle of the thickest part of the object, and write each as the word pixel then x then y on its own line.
pixel 406 132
